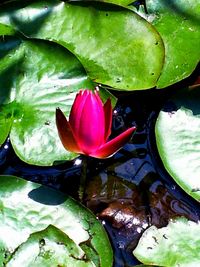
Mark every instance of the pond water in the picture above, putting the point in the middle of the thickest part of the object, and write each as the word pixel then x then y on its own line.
pixel 128 192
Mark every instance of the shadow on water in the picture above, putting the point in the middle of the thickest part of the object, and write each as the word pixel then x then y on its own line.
pixel 185 98
pixel 47 196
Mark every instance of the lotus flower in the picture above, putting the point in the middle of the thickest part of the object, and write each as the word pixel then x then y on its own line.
pixel 89 127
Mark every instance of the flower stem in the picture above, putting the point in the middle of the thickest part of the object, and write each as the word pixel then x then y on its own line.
pixel 83 178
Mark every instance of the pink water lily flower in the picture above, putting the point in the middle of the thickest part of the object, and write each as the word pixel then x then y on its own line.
pixel 89 127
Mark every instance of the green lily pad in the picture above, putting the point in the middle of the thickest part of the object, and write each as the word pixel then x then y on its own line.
pixel 177 244
pixel 178 22
pixel 40 226
pixel 35 78
pixel 50 247
pixel 178 139
pixel 116 46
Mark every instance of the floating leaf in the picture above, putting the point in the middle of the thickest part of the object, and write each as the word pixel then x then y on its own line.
pixel 47 228
pixel 177 244
pixel 50 247
pixel 115 45
pixel 178 22
pixel 35 78
pixel 178 139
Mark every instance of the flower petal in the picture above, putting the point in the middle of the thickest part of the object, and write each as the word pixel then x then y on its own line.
pixel 98 99
pixel 65 132
pixel 111 147
pixel 76 110
pixel 90 135
pixel 108 118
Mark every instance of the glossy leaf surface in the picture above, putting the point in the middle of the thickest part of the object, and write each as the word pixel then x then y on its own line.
pixel 178 139
pixel 49 247
pixel 177 244
pixel 115 45
pixel 47 228
pixel 116 2
pixel 178 22
pixel 35 78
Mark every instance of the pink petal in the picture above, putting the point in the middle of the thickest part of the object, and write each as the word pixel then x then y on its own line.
pixel 111 147
pixel 108 118
pixel 91 126
pixel 65 132
pixel 98 99
pixel 76 110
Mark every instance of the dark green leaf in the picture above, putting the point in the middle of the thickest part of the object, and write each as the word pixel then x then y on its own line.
pixel 116 2
pixel 116 46
pixel 178 22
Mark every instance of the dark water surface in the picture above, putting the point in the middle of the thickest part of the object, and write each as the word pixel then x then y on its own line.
pixel 128 192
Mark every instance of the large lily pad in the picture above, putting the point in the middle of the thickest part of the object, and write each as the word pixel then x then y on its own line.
pixel 177 244
pixel 35 78
pixel 115 45
pixel 43 227
pixel 178 139
pixel 178 22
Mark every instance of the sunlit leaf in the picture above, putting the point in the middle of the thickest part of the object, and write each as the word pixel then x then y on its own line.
pixel 6 30
pixel 177 244
pixel 49 247
pixel 40 226
pixel 35 78
pixel 178 139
